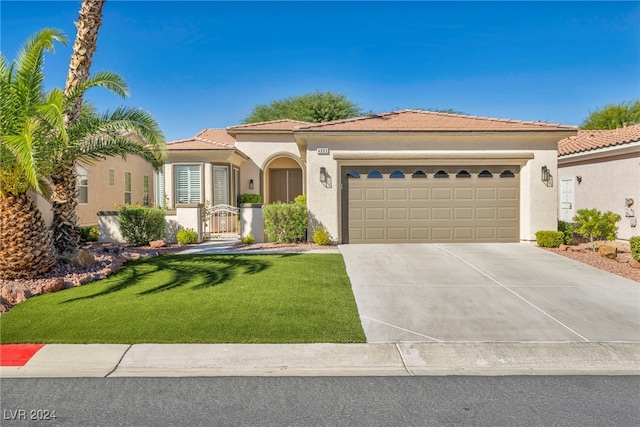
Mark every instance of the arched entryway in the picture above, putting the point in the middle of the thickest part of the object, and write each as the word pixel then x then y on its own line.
pixel 284 180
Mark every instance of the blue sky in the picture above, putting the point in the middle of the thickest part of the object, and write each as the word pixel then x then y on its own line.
pixel 207 64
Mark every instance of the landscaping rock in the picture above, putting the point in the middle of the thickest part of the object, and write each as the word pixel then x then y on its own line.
pixel 608 251
pixel 158 244
pixel 634 264
pixel 54 285
pixel 564 247
pixel 14 293
pixel 79 259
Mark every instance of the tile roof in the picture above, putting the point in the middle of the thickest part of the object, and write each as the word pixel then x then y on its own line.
pixel 420 120
pixel 207 139
pixel 587 140
pixel 272 126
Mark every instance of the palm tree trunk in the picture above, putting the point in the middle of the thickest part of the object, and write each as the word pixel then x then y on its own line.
pixel 65 193
pixel 64 200
pixel 84 47
pixel 25 242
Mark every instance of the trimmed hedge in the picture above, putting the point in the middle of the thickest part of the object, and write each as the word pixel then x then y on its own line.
pixel 568 229
pixel 635 247
pixel 549 238
pixel 187 236
pixel 140 225
pixel 285 222
pixel 250 198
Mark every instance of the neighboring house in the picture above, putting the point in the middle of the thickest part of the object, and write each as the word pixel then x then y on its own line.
pixel 601 169
pixel 406 176
pixel 106 183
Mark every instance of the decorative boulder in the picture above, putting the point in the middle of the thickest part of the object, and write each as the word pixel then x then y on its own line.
pixel 608 251
pixel 634 264
pixel 158 244
pixel 14 293
pixel 54 285
pixel 79 259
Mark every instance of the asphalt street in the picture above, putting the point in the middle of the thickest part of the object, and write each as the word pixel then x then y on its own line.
pixel 318 401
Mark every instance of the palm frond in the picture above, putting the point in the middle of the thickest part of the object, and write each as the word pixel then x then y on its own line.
pixel 104 79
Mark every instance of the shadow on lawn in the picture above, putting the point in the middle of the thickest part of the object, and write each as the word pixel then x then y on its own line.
pixel 174 271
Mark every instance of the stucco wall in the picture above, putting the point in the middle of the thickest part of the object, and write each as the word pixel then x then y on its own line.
pixel 606 182
pixel 538 209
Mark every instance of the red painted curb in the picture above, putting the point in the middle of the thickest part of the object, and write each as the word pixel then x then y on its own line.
pixel 17 354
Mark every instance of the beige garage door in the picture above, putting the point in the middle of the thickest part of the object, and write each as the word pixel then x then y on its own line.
pixel 431 204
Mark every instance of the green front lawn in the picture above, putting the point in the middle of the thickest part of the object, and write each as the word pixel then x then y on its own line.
pixel 292 298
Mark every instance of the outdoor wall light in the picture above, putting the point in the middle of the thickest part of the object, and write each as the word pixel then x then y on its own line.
pixel 579 179
pixel 546 175
pixel 323 174
pixel 251 184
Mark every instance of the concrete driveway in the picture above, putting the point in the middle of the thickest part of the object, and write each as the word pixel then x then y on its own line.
pixel 487 292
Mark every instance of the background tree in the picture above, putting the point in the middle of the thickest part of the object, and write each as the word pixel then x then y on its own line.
pixel 613 116
pixel 313 107
pixel 28 117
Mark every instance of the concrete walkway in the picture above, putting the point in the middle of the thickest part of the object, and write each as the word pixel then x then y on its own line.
pixel 395 359
pixel 487 293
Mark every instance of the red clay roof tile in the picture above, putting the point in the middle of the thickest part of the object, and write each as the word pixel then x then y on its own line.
pixel 420 120
pixel 207 139
pixel 272 126
pixel 587 140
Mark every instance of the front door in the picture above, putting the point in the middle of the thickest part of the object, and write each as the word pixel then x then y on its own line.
pixel 284 185
pixel 567 199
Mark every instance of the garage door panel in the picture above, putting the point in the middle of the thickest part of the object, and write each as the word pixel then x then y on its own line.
pixel 397 234
pixel 418 214
pixel 488 213
pixel 397 194
pixel 374 194
pixel 463 194
pixel 419 194
pixel 441 194
pixel 428 209
pixel 463 233
pixel 374 214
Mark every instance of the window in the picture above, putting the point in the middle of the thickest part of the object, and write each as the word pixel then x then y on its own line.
pixel 374 175
pixel 236 186
pixel 83 184
pixel 441 174
pixel 112 177
pixel 485 174
pixel 220 185
pixel 187 184
pixel 507 174
pixel 353 174
pixel 463 174
pixel 396 174
pixel 419 174
pixel 145 190
pixel 160 193
pixel 127 188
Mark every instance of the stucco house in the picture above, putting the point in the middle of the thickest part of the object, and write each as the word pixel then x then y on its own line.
pixel 601 169
pixel 104 184
pixel 404 176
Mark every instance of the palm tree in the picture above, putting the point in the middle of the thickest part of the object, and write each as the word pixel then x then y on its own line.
pixel 27 119
pixel 92 136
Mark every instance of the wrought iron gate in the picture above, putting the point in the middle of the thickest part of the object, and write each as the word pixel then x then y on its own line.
pixel 222 222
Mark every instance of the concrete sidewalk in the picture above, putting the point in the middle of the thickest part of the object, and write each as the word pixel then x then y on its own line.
pixel 384 359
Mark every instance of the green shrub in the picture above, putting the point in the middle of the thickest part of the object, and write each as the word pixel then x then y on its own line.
pixel 187 236
pixel 549 238
pixel 250 198
pixel 635 247
pixel 321 236
pixel 300 200
pixel 568 230
pixel 89 234
pixel 285 223
pixel 248 239
pixel 139 225
pixel 593 224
